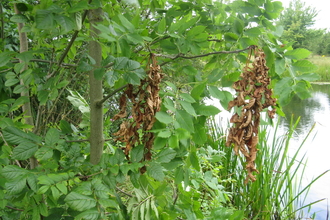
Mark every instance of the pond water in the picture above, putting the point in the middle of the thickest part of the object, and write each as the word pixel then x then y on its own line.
pixel 315 110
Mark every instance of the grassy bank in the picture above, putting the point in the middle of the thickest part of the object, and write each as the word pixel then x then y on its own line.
pixel 323 64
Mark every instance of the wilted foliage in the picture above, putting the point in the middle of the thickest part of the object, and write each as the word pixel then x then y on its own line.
pixel 253 96
pixel 146 102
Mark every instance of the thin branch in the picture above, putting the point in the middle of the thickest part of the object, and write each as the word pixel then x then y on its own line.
pixel 201 55
pixel 9 207
pixel 216 40
pixel 99 103
pixel 122 191
pixel 47 61
pixel 67 49
pixel 84 140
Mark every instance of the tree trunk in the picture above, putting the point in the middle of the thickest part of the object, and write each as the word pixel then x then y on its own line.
pixel 26 106
pixel 96 138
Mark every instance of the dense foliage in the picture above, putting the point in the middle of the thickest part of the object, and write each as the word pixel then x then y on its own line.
pixel 64 67
pixel 297 21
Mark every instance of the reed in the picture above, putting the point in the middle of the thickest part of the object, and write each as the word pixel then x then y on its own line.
pixel 278 192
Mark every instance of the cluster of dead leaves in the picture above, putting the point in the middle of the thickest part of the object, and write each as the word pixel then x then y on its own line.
pixel 145 104
pixel 253 95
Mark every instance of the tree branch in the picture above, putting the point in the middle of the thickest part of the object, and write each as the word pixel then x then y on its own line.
pixel 67 49
pixel 111 94
pixel 47 61
pixel 201 55
pixel 84 140
pixel 122 191
pixel 9 207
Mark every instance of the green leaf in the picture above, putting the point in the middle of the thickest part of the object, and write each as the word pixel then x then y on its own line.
pixel 198 90
pixel 24 150
pixel 11 82
pixel 80 202
pixel 194 160
pixel 19 89
pixel 44 19
pixel 19 18
pixel 231 37
pixel 55 192
pixel 310 77
pixel 25 56
pixel 165 156
pixel 65 127
pixel 67 24
pixel 155 170
pixel 188 107
pixel 52 137
pixel 5 58
pixel 137 153
pixel 135 38
pixel 43 96
pixel 43 209
pixel 62 187
pixel 297 54
pixel 215 75
pixel 173 141
pixel 62 84
pixel 107 37
pixel 164 117
pixel 10 172
pixel 92 214
pixel 304 66
pixel 32 181
pixel 43 189
pixel 23 7
pixel 16 136
pixel 16 185
pixel 301 89
pixel 184 120
pixel 207 110
pixel 81 5
pixel 126 24
pixel 108 203
pixel 189 70
pixel 164 134
pixel 199 136
pixel 186 97
pixel 279 66
pixel 162 25
pixel 44 153
pixel 196 31
pixel 253 32
pixel 238 26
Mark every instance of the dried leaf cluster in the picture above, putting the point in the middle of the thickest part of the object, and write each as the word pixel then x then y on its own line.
pixel 145 103
pixel 253 95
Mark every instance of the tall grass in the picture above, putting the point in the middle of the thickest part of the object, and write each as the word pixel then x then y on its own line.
pixel 278 192
pixel 323 64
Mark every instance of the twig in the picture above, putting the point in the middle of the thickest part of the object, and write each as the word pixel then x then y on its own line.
pixel 9 207
pixel 201 55
pixel 47 61
pixel 122 191
pixel 99 103
pixel 84 140
pixel 67 49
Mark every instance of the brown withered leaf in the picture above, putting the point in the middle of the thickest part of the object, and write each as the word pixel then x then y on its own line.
pixel 145 102
pixel 253 98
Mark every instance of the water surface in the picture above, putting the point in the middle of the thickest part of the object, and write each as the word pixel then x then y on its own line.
pixel 313 111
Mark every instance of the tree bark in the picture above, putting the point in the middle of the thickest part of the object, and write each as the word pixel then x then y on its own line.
pixel 26 106
pixel 96 138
